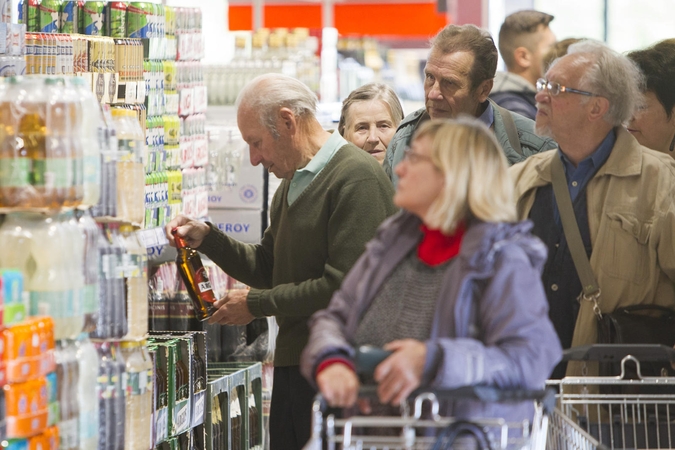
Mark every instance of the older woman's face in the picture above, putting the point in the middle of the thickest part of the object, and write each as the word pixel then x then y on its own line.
pixel 651 125
pixel 420 181
pixel 369 126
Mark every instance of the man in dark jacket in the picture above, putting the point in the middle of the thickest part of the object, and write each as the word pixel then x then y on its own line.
pixel 524 39
pixel 458 77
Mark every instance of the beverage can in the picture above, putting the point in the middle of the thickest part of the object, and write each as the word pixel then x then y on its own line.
pixel 49 16
pixel 139 20
pixel 116 19
pixel 30 14
pixel 70 17
pixel 92 18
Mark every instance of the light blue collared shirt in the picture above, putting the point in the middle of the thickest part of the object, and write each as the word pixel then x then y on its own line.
pixel 578 177
pixel 303 177
pixel 488 116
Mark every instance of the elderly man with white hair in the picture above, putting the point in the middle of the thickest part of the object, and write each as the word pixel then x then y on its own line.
pixel 621 194
pixel 332 199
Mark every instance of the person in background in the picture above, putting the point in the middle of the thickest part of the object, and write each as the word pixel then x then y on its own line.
pixel 557 50
pixel 451 284
pixel 332 199
pixel 621 193
pixel 370 116
pixel 653 124
pixel 524 39
pixel 458 77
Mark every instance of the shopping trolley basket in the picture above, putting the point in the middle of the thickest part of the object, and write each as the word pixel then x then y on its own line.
pixel 435 432
pixel 619 412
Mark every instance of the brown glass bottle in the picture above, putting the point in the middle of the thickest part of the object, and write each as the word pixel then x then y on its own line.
pixel 195 278
pixel 198 369
pixel 161 385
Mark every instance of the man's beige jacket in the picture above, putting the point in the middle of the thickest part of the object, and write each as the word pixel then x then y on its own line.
pixel 631 216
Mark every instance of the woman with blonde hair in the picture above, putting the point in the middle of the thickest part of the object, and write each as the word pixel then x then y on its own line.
pixel 370 116
pixel 450 285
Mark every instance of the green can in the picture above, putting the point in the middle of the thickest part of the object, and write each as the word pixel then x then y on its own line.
pixel 116 19
pixel 70 22
pixel 49 16
pixel 92 18
pixel 140 19
pixel 30 15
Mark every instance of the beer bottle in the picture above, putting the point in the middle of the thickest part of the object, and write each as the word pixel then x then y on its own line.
pixel 195 278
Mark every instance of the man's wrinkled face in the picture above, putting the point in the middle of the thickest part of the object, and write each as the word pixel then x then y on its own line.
pixel 447 86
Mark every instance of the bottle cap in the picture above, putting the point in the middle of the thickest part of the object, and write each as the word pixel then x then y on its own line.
pixel 180 242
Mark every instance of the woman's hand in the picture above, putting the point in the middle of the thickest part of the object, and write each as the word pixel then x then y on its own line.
pixel 401 373
pixel 193 231
pixel 338 385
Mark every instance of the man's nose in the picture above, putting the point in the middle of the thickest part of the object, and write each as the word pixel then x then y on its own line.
pixel 255 156
pixel 542 96
pixel 435 91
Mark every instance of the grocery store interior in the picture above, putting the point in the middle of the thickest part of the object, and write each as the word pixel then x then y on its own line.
pixel 124 117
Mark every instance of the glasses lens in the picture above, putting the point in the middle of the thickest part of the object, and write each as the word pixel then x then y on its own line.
pixel 554 88
pixel 541 84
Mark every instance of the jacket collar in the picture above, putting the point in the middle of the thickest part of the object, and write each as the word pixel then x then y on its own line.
pixel 624 161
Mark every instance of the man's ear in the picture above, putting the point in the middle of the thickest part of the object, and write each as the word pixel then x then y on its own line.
pixel 522 57
pixel 483 89
pixel 288 120
pixel 598 109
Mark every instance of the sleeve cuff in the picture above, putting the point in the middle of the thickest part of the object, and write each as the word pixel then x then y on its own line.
pixel 211 240
pixel 431 363
pixel 333 360
pixel 254 302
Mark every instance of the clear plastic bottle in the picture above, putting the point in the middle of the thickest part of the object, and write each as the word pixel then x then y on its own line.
pixel 136 276
pixel 139 397
pixel 16 240
pixel 91 296
pixel 106 398
pixel 92 124
pixel 67 372
pixel 118 297
pixel 119 380
pixel 130 169
pixel 73 252
pixel 88 389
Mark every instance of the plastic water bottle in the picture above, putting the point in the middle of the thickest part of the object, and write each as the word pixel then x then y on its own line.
pixel 134 265
pixel 90 300
pixel 88 389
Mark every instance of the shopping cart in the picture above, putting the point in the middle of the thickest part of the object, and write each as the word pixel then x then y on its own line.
pixel 618 412
pixel 416 432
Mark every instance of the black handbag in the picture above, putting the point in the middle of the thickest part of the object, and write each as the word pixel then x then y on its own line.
pixel 638 324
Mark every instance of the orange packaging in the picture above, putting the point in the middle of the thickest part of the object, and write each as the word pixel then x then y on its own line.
pixel 26 405
pixel 18 353
pixel 52 438
pixel 46 351
pixel 38 442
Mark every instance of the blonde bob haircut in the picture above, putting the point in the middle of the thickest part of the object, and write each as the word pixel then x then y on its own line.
pixel 477 183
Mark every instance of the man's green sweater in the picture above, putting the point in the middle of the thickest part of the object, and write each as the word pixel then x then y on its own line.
pixel 309 246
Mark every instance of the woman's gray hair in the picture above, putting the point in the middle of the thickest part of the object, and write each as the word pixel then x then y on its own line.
pixel 372 91
pixel 610 75
pixel 270 92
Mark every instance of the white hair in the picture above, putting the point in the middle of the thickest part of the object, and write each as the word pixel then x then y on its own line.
pixel 609 75
pixel 270 92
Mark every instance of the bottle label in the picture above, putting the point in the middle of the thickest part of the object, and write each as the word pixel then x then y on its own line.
pixel 52 173
pixel 92 169
pixel 58 304
pixel 90 299
pixel 137 383
pixel 15 172
pixel 128 150
pixel 204 285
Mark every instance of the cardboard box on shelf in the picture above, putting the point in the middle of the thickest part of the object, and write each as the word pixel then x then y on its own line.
pixel 242 224
pixel 245 193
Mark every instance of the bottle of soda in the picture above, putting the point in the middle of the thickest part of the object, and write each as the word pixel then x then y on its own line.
pixel 195 278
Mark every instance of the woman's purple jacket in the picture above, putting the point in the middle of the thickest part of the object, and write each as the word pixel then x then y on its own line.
pixel 491 324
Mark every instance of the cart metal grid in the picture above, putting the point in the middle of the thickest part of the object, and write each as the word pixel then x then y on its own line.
pixel 599 412
pixel 419 433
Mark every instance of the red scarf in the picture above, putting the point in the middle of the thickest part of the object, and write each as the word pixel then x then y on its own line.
pixel 436 248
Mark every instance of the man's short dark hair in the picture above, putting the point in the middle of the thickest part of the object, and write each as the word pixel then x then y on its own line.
pixel 469 38
pixel 518 30
pixel 657 63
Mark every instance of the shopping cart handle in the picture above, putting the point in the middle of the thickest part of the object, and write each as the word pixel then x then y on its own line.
pixel 616 352
pixel 488 394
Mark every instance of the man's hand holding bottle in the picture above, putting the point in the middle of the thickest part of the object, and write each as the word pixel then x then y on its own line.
pixel 192 231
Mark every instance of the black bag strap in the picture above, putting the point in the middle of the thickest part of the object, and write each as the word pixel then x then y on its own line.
pixel 590 289
pixel 510 127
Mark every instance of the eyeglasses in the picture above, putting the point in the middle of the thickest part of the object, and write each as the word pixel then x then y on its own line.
pixel 414 158
pixel 556 88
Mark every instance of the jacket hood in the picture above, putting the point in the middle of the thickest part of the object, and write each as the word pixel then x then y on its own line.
pixel 510 82
pixel 483 241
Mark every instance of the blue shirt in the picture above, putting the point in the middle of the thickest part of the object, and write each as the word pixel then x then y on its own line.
pixel 304 176
pixel 578 177
pixel 488 116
